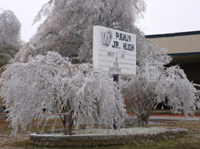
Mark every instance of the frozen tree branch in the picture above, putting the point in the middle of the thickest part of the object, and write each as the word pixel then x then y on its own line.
pixel 67 26
pixel 52 83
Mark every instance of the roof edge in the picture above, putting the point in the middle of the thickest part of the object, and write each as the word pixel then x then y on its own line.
pixel 174 34
pixel 184 54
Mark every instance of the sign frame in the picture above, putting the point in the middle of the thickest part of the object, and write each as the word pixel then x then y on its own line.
pixel 114 51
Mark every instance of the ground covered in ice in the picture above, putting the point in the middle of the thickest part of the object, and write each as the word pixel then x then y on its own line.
pixel 136 130
pixel 122 131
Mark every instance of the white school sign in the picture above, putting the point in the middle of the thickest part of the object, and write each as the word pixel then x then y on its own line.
pixel 114 51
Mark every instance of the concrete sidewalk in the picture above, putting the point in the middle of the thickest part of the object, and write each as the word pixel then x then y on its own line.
pixel 174 117
pixel 171 117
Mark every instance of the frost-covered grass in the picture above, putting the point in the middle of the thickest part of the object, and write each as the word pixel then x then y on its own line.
pixel 122 131
pixel 190 141
pixel 4 126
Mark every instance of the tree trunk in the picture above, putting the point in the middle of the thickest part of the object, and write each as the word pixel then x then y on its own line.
pixel 64 128
pixel 142 120
pixel 70 124
pixel 67 122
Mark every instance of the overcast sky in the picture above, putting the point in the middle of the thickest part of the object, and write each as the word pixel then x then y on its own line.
pixel 162 16
pixel 169 16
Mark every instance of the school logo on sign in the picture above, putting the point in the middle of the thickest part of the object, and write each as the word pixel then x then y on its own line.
pixel 106 38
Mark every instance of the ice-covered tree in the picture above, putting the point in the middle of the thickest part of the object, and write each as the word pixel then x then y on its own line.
pixel 141 92
pixel 182 95
pixel 67 29
pixel 10 37
pixel 75 93
pixel 68 24
pixel 154 83
pixel 9 29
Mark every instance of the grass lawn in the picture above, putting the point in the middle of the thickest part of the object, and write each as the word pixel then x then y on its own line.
pixel 191 141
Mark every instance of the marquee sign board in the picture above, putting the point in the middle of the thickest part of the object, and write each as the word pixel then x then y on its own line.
pixel 114 51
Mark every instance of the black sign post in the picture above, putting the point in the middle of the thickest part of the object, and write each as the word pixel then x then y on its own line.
pixel 115 79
